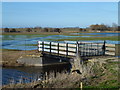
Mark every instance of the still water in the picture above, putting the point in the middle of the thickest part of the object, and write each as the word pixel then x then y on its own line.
pixel 29 74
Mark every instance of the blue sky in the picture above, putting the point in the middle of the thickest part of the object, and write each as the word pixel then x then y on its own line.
pixel 58 14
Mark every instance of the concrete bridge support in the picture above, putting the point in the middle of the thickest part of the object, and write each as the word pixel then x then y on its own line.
pixel 77 61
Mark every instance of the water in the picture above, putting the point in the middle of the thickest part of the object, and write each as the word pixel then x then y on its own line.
pixel 100 34
pixel 23 42
pixel 29 74
pixel 14 76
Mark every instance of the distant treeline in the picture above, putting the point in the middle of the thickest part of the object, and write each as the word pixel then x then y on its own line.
pixel 96 27
pixel 35 29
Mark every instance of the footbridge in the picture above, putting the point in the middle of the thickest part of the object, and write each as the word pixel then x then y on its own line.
pixel 72 49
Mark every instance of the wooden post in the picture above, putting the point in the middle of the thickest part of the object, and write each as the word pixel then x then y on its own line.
pixel 104 48
pixel 117 51
pixel 66 49
pixel 50 47
pixel 91 50
pixel 81 85
pixel 38 46
pixel 84 49
pixel 80 48
pixel 97 49
pixel 78 52
pixel 58 48
pixel 87 49
pixel 76 47
pixel 94 50
pixel 42 47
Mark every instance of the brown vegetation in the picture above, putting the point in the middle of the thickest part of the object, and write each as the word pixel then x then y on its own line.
pixel 97 72
pixel 9 57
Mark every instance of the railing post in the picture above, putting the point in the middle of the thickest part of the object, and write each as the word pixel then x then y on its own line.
pixel 38 46
pixel 77 49
pixel 58 48
pixel 117 51
pixel 97 49
pixel 104 48
pixel 91 50
pixel 94 49
pixel 42 47
pixel 66 49
pixel 50 47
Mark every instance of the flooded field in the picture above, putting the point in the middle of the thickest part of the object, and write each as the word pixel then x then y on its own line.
pixel 29 42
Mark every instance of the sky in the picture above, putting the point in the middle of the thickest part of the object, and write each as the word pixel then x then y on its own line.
pixel 58 14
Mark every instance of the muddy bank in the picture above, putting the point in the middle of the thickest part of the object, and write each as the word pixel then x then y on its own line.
pixel 9 57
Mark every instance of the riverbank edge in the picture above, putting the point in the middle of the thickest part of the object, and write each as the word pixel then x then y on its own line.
pixel 39 83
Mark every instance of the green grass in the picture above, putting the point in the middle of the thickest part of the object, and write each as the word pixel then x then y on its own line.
pixel 109 83
pixel 10 50
pixel 101 87
pixel 113 38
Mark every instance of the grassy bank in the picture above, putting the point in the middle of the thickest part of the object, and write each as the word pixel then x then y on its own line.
pixel 113 38
pixel 98 74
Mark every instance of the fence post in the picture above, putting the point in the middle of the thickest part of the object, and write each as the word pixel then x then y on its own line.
pixel 42 47
pixel 38 46
pixel 66 49
pixel 77 48
pixel 97 49
pixel 104 48
pixel 58 48
pixel 117 51
pixel 91 50
pixel 50 47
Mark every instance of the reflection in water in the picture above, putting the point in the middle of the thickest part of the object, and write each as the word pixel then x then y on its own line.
pixel 29 74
